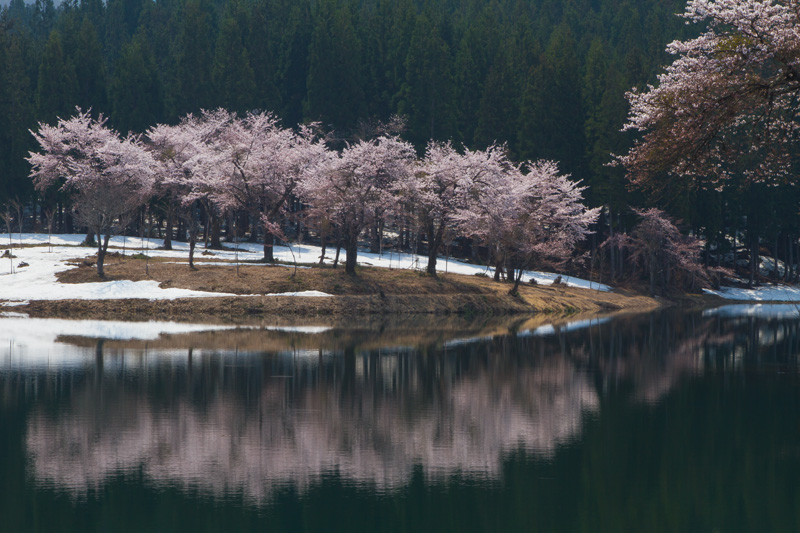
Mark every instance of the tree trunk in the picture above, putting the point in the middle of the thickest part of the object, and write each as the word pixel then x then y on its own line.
pixel 612 248
pixel 323 241
pixel 170 222
pixel 192 244
pixel 269 247
pixel 775 265
pixel 351 248
pixel 338 251
pixel 375 241
pixel 787 261
pixel 517 278
pixel 431 268
pixel 102 248
pixel 510 271
pixel 216 232
pixel 435 238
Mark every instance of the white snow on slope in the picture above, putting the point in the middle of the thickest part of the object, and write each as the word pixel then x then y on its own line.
pixel 771 293
pixel 38 280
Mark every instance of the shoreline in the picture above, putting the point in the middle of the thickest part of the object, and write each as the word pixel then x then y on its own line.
pixel 375 292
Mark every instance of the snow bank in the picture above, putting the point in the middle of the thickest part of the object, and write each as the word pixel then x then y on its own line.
pixel 772 293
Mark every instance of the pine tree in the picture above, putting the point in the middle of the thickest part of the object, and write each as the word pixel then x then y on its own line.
pixel 195 58
pixel 136 96
pixel 234 82
pixel 335 95
pixel 429 89
pixel 56 93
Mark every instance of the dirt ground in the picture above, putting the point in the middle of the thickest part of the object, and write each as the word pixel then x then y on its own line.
pixel 373 291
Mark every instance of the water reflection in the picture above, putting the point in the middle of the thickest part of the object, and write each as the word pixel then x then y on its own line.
pixel 248 411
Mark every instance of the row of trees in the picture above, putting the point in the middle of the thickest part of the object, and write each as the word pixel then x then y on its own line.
pixel 222 162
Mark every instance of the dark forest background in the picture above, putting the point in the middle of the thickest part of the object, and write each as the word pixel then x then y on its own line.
pixel 547 77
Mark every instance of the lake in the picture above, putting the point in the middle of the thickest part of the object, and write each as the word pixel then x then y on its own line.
pixel 672 421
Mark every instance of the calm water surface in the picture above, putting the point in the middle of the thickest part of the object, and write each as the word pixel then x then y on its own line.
pixel 664 422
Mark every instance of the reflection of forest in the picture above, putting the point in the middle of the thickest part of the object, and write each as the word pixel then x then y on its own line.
pixel 222 422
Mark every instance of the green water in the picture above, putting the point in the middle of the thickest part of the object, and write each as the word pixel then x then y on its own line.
pixel 664 422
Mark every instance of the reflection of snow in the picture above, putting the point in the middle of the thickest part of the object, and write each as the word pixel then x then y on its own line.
pixel 467 340
pixel 38 280
pixel 755 310
pixel 549 329
pixel 541 331
pixel 35 342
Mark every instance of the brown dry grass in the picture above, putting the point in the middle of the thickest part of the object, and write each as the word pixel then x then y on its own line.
pixel 374 291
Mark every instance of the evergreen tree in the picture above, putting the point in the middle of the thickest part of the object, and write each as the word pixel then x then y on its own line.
pixel 262 44
pixel 233 78
pixel 335 95
pixel 195 90
pixel 429 88
pixel 135 90
pixel 498 111
pixel 44 17
pixel 56 93
pixel 89 70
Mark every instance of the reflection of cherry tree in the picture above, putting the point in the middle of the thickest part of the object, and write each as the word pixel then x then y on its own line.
pixel 365 435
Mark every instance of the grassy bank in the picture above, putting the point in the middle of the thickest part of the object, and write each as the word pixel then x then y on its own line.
pixel 374 291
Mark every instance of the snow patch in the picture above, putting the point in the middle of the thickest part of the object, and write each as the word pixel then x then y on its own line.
pixel 305 294
pixel 773 293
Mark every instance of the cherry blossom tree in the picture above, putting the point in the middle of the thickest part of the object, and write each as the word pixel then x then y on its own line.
pixel 177 149
pixel 528 214
pixel 173 147
pixel 728 103
pixel 109 177
pixel 443 185
pixel 260 165
pixel 358 185
pixel 661 252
